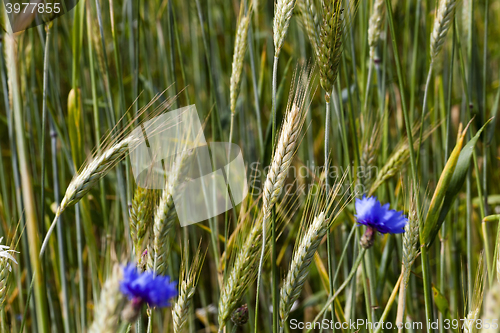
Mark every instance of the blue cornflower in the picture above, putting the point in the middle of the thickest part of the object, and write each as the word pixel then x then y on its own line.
pixel 370 212
pixel 146 287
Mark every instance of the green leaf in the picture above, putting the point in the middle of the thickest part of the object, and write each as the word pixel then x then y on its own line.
pixel 427 228
pixel 456 182
pixel 441 303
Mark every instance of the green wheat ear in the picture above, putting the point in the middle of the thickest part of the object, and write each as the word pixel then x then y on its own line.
pixel 330 45
pixel 140 219
pixel 187 287
pixel 240 46
pixel 282 16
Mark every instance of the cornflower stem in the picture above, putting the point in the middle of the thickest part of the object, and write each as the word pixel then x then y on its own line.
pixel 366 288
pixel 352 273
pixel 138 324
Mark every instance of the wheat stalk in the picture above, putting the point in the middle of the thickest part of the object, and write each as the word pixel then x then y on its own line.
pixel 187 288
pixel 282 16
pixel 111 303
pixel 299 268
pixel 330 46
pixel 442 23
pixel 240 46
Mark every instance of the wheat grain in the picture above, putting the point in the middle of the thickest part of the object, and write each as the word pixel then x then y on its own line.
pixel 410 238
pixel 285 149
pixel 410 251
pixel 242 273
pixel 94 171
pixel 370 144
pixel 391 167
pixel 140 220
pixel 240 46
pixel 83 182
pixel 330 46
pixel 187 288
pixel 111 303
pixel 282 15
pixel 4 275
pixel 299 267
pixel 442 23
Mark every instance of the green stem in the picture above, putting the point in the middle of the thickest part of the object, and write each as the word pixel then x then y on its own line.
pixel 329 236
pixel 424 108
pixel 3 319
pixel 27 187
pixel 427 284
pixel 368 81
pixel 274 272
pixel 255 89
pixel 330 300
